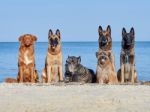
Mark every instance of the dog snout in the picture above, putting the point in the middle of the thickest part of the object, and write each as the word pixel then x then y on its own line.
pixel 71 68
pixel 27 41
pixel 104 40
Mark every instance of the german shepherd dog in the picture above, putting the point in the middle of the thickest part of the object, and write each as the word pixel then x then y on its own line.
pixel 127 73
pixel 105 73
pixel 105 43
pixel 76 72
pixel 26 61
pixel 53 63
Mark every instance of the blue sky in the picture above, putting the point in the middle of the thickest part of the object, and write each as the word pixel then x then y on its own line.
pixel 77 20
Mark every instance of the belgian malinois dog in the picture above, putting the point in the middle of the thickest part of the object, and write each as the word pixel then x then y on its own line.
pixel 127 73
pixel 53 63
pixel 105 73
pixel 76 72
pixel 105 43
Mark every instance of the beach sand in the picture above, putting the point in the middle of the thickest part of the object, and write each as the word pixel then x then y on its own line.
pixel 74 98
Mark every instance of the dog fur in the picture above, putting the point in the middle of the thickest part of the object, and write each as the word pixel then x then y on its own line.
pixel 127 73
pixel 105 43
pixel 53 64
pixel 26 61
pixel 105 73
pixel 76 72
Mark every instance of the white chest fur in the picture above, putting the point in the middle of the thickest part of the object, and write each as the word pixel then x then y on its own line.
pixel 26 58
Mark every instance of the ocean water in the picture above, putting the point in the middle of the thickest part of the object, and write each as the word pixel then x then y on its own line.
pixel 87 50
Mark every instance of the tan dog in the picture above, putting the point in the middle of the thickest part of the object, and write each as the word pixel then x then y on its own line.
pixel 105 72
pixel 26 60
pixel 53 63
pixel 105 43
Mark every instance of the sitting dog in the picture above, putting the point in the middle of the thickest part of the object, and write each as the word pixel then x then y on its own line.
pixel 26 61
pixel 127 73
pixel 53 63
pixel 105 43
pixel 75 72
pixel 105 72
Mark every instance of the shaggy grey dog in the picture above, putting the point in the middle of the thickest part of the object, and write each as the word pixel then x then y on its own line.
pixel 76 72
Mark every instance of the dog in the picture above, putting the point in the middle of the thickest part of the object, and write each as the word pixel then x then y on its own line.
pixel 105 73
pixel 127 73
pixel 105 43
pixel 26 61
pixel 53 63
pixel 76 72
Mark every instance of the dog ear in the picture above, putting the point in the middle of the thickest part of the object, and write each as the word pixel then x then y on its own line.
pixel 100 30
pixel 50 33
pixel 58 33
pixel 108 29
pixel 132 31
pixel 34 38
pixel 79 60
pixel 21 38
pixel 97 54
pixel 123 32
pixel 68 56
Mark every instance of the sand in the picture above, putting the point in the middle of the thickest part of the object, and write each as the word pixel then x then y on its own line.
pixel 74 98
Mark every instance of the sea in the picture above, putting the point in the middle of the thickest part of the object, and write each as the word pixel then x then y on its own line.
pixel 87 51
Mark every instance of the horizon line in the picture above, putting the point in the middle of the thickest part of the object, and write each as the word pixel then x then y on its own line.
pixel 66 41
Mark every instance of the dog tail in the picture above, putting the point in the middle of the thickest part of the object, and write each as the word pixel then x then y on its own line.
pixel 11 80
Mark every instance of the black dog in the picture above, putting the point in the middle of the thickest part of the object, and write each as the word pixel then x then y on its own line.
pixel 75 72
pixel 127 72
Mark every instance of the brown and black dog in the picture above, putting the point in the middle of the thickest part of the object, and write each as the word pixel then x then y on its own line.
pixel 105 43
pixel 53 63
pixel 127 73
pixel 26 61
pixel 105 73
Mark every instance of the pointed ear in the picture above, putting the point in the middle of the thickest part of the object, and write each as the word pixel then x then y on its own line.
pixel 20 38
pixel 132 31
pixel 100 30
pixel 108 29
pixel 58 33
pixel 50 33
pixel 123 32
pixel 79 60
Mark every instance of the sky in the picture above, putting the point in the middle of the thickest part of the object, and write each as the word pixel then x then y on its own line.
pixel 77 20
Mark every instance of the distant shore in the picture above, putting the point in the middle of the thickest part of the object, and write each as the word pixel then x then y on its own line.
pixel 75 97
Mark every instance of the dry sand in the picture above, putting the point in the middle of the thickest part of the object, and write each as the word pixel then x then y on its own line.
pixel 74 98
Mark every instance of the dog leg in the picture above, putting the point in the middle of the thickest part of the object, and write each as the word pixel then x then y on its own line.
pixel 49 78
pixel 20 74
pixel 114 78
pixel 100 79
pixel 54 73
pixel 122 69
pixel 32 75
pixel 132 68
pixel 44 78
pixel 112 58
pixel 60 73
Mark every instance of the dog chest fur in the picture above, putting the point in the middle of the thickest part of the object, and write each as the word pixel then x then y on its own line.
pixel 26 58
pixel 54 59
